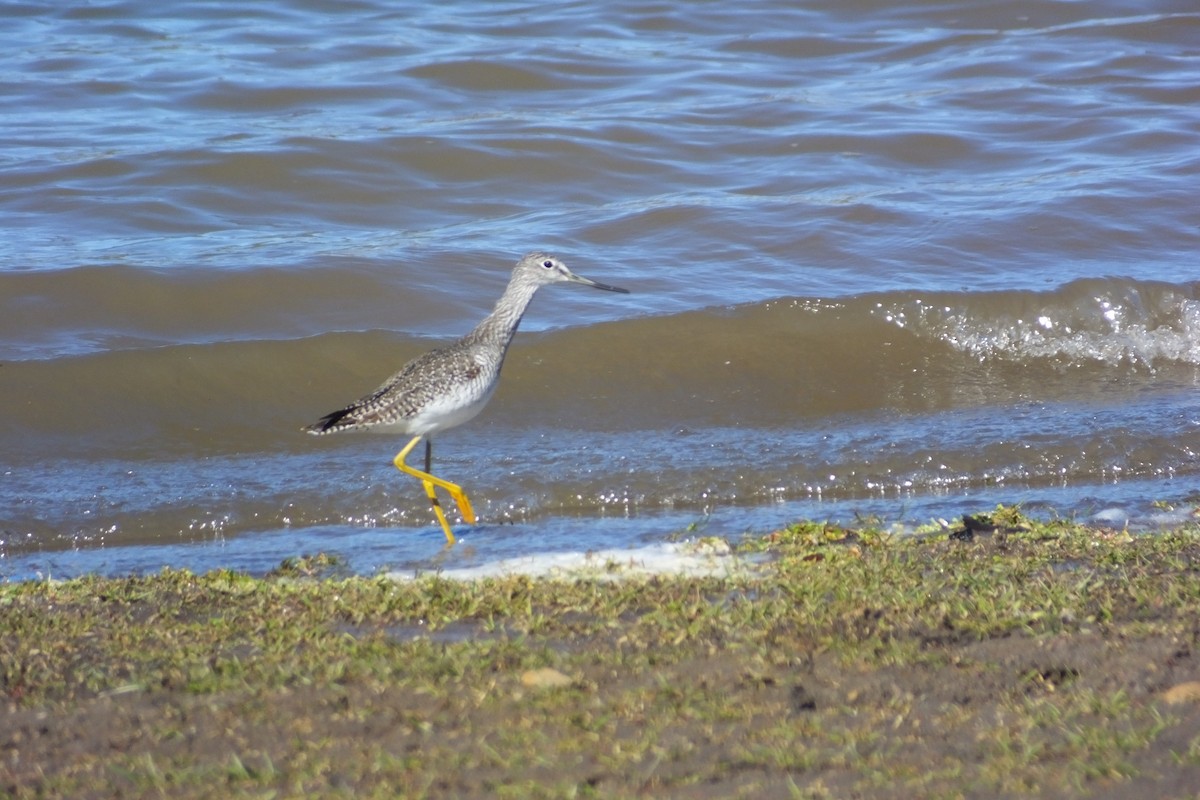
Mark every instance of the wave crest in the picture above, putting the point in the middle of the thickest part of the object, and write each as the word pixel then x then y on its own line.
pixel 1113 321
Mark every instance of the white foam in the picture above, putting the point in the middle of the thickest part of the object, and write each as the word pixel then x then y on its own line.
pixel 1117 517
pixel 1172 518
pixel 1112 321
pixel 696 558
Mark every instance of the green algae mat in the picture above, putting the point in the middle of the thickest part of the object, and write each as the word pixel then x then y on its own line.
pixel 1011 657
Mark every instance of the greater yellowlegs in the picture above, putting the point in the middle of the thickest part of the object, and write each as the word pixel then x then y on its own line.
pixel 448 386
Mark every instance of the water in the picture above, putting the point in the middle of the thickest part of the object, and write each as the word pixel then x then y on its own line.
pixel 904 260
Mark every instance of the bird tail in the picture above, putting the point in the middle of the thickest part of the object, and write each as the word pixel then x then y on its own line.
pixel 332 423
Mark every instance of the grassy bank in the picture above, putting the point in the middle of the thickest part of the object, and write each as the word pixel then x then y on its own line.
pixel 1019 657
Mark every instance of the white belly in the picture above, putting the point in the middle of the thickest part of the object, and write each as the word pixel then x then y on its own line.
pixel 439 415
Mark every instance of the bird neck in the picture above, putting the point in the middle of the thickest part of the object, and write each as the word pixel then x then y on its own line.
pixel 498 327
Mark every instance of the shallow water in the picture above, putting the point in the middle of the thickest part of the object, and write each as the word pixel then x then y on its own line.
pixel 906 260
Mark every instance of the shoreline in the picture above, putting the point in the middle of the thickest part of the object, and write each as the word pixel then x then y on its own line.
pixel 1047 659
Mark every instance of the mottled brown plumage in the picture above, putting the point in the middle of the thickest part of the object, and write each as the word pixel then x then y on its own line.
pixel 448 386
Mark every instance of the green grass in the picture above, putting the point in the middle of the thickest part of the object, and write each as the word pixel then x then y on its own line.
pixel 1025 661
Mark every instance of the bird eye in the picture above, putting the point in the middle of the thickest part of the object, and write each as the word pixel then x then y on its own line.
pixel 547 264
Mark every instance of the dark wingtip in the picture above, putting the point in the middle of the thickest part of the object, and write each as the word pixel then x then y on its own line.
pixel 327 423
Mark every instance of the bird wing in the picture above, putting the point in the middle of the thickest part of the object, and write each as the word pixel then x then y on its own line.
pixel 408 391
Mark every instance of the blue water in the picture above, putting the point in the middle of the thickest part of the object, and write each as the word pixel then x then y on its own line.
pixel 893 259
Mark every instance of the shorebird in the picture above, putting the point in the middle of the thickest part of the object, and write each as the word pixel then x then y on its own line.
pixel 450 385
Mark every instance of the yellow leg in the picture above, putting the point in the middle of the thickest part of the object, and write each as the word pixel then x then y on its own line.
pixel 429 482
pixel 437 510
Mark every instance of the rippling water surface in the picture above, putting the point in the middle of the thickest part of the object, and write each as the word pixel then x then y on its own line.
pixel 904 260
